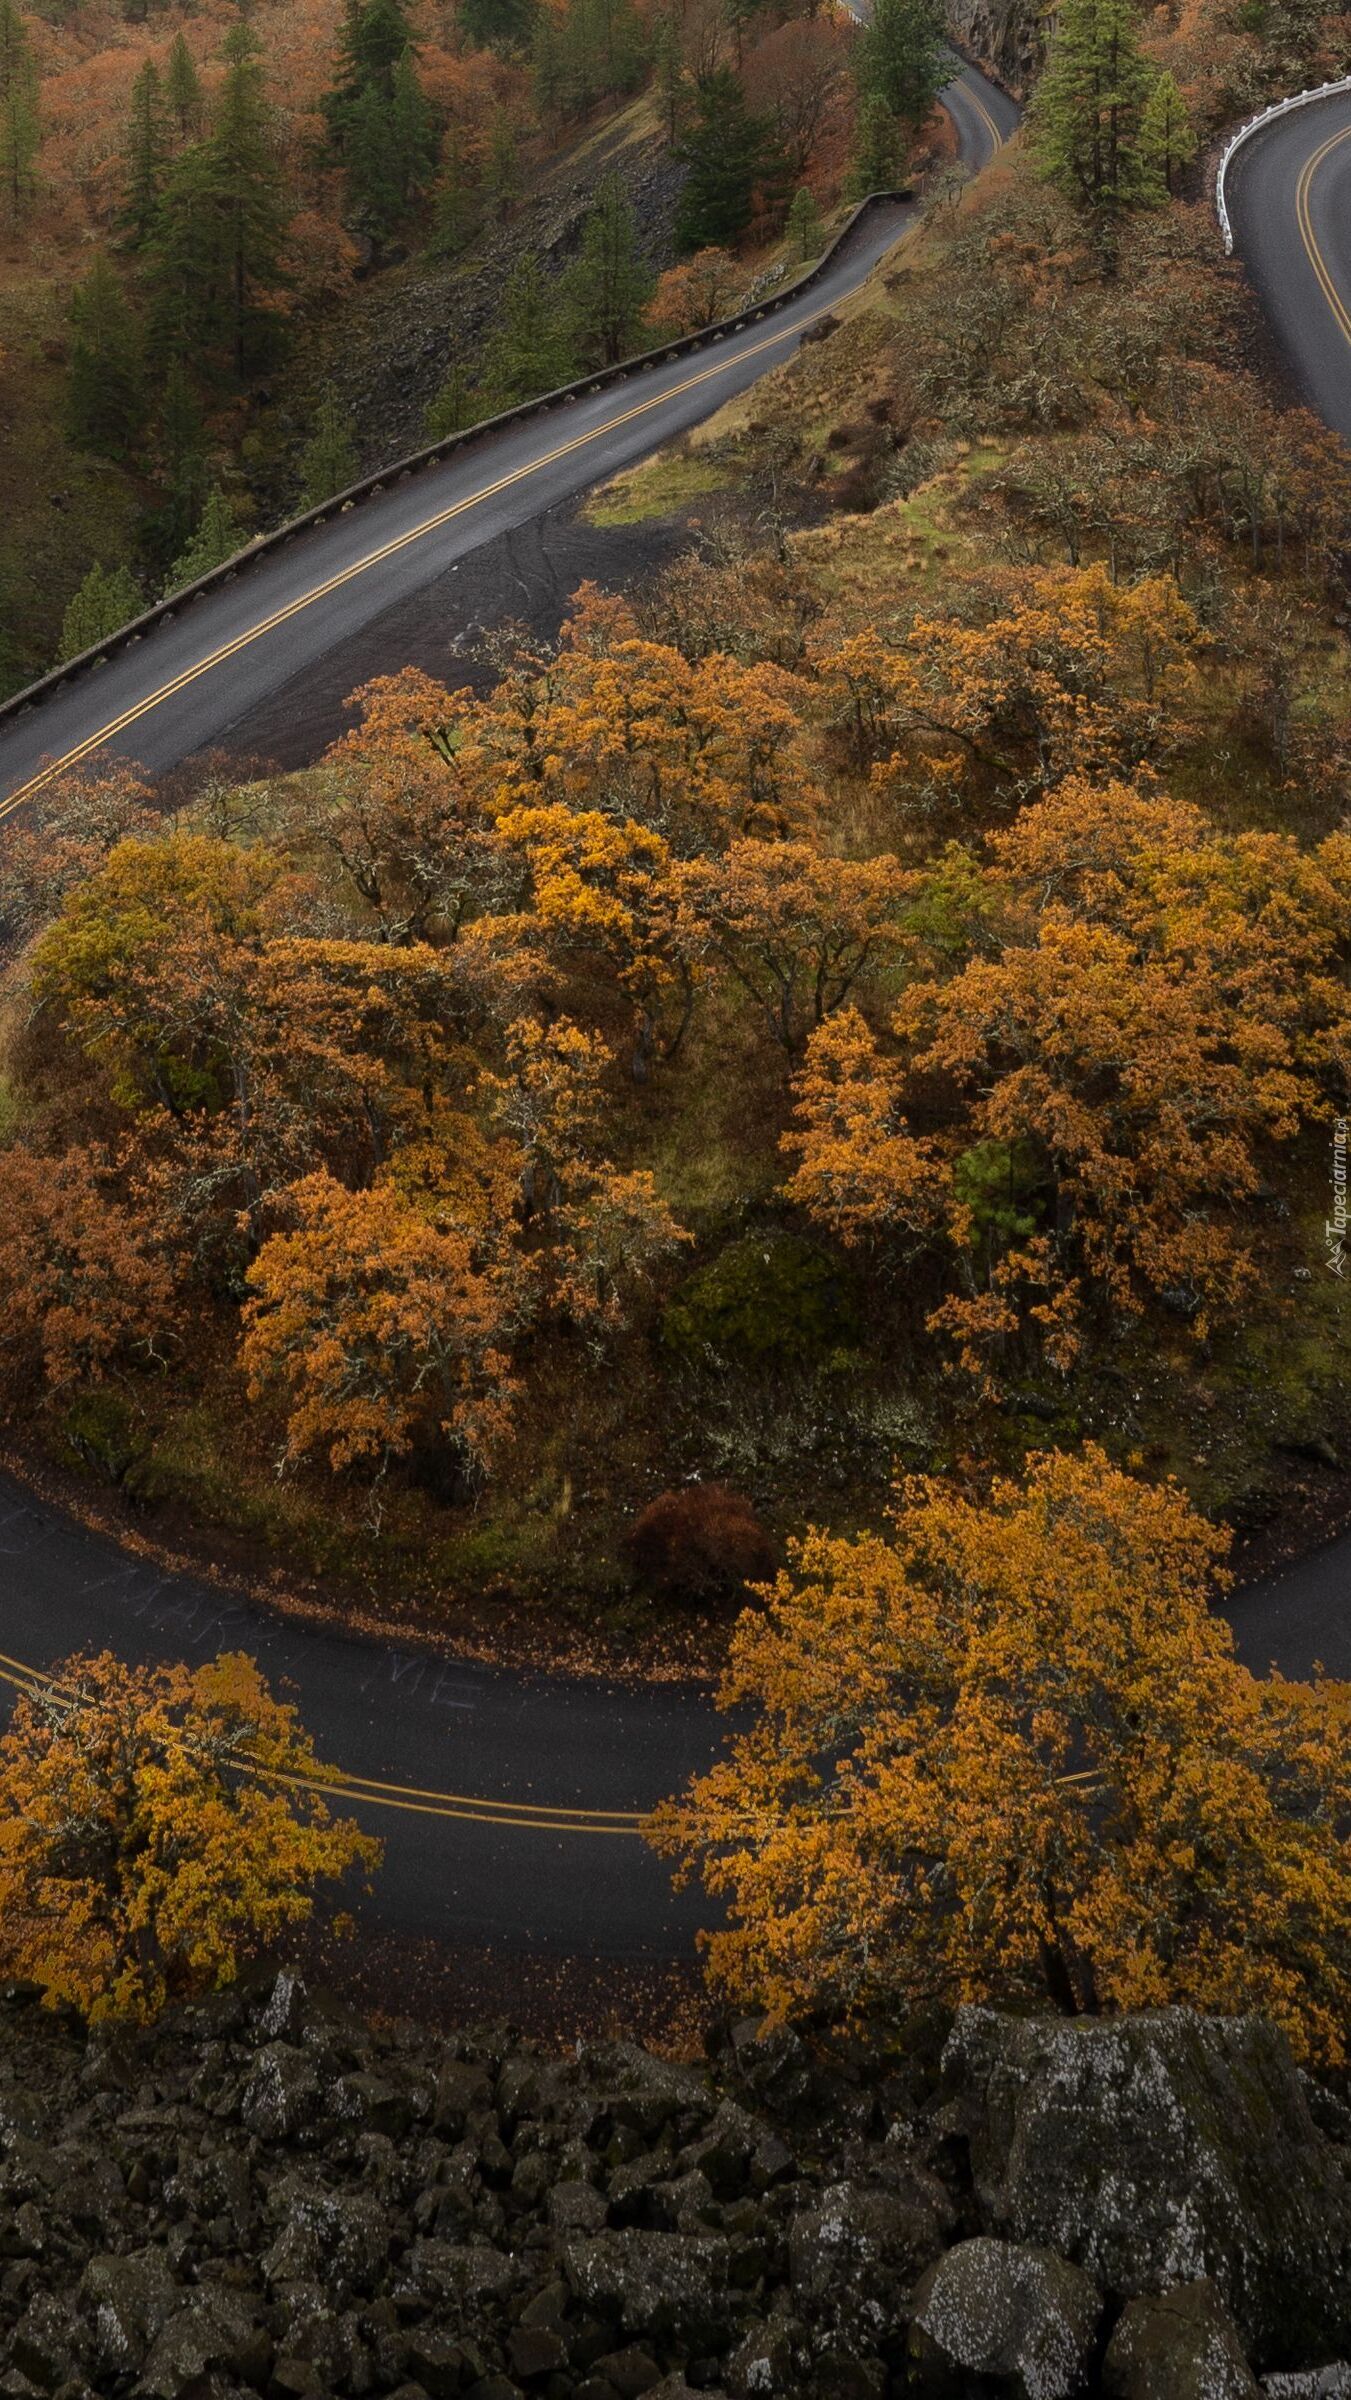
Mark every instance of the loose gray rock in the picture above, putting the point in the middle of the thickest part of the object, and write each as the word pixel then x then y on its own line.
pixel 670 2286
pixel 209 2331
pixel 281 2094
pixel 1004 2310
pixel 1182 2346
pixel 1321 2383
pixel 128 2300
pixel 1161 2149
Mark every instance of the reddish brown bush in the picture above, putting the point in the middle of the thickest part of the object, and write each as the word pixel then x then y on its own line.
pixel 702 1544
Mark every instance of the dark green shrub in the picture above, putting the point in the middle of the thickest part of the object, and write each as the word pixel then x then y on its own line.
pixel 768 1300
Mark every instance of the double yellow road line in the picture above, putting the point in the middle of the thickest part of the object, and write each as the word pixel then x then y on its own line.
pixel 518 1816
pixel 1303 216
pixel 387 550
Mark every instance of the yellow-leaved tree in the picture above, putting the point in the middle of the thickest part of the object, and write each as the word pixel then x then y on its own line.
pixel 157 1823
pixel 1008 1754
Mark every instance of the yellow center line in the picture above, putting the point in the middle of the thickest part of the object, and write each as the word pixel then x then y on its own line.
pixel 983 113
pixel 375 558
pixel 521 1816
pixel 1327 281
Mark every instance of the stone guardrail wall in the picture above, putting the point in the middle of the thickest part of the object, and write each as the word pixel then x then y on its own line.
pixel 1265 116
pixel 681 346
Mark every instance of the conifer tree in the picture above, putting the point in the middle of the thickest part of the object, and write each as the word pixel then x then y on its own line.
pixel 328 462
pixel 879 148
pixel 503 25
pixel 502 166
pixel 20 124
pixel 379 120
pixel 147 155
pixel 805 228
pixel 459 402
pixel 455 202
pixel 1087 115
pixel 216 539
pixel 1166 136
pixel 671 84
pixel 181 444
pixel 183 92
pixel 608 287
pixel 215 256
pixel 726 150
pixel 529 353
pixel 900 57
pixel 108 598
pixel 105 393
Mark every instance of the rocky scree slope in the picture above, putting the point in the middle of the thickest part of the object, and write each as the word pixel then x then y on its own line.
pixel 264 2196
pixel 393 346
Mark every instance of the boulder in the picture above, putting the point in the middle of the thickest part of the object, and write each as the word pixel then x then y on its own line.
pixel 1182 2346
pixel 1160 2149
pixel 1022 2316
pixel 669 2286
pixel 210 2330
pixel 859 2246
pixel 1317 2383
pixel 339 2237
pixel 282 2092
pixel 128 2301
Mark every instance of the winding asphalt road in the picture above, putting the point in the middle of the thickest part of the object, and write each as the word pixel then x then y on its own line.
pixel 1289 192
pixel 193 680
pixel 508 1804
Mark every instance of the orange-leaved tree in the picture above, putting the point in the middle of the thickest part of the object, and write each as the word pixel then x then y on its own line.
pixel 1007 1753
pixel 384 1324
pixel 157 1823
pixel 83 1286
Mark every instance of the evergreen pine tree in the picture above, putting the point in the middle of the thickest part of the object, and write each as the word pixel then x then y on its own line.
pixel 1087 113
pixel 455 202
pixel 328 462
pixel 20 124
pixel 413 132
pixel 183 92
pixel 105 394
pixel 502 166
pixel 726 150
pixel 900 56
pixel 805 228
pixel 548 70
pixel 529 352
pixel 216 539
pixel 214 256
pixel 181 444
pixel 503 25
pixel 147 155
pixel 459 402
pixel 671 84
pixel 879 148
pixel 1166 136
pixel 607 288
pixel 375 36
pixel 108 598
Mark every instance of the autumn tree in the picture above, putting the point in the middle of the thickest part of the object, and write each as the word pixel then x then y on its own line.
pixel 795 928
pixel 698 292
pixel 83 1286
pixel 385 1330
pixel 63 836
pixel 157 1824
pixel 1006 1753
pixel 1128 1012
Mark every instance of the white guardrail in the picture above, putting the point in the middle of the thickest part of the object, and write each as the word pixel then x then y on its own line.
pixel 1265 116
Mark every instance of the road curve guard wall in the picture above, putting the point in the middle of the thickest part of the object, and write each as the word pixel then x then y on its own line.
pixel 683 345
pixel 1265 116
